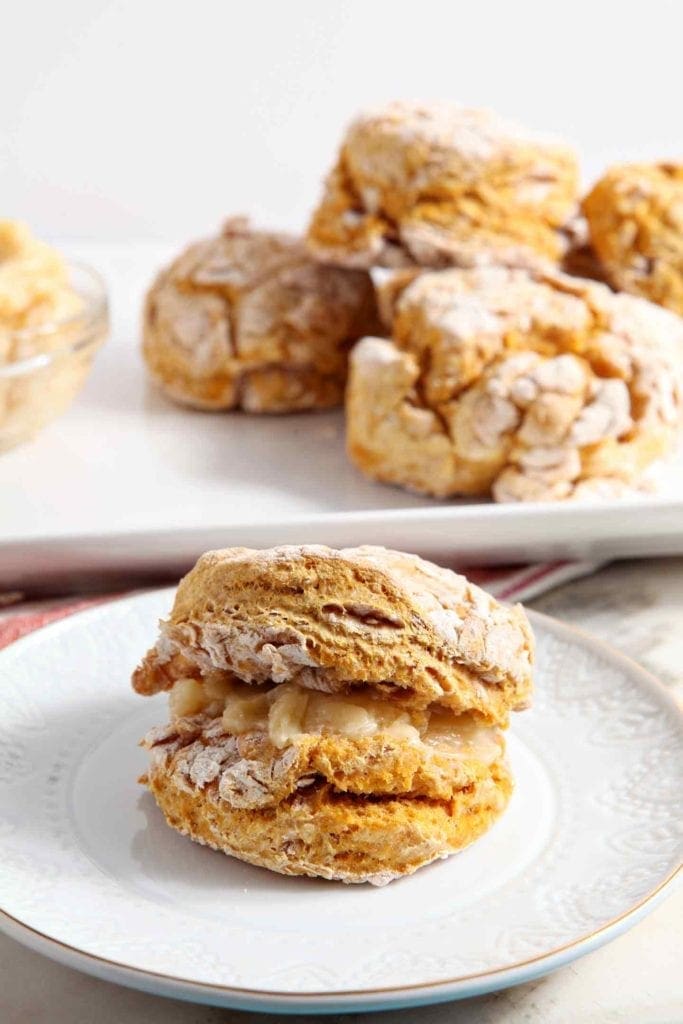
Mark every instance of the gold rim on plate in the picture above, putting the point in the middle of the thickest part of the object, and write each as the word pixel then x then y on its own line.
pixel 417 987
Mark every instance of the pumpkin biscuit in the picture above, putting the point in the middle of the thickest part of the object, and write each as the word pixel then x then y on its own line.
pixel 516 385
pixel 635 214
pixel 439 185
pixel 248 320
pixel 334 713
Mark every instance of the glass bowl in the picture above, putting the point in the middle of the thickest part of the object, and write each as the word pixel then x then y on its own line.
pixel 51 362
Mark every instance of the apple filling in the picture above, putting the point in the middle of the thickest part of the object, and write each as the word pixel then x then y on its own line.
pixel 287 712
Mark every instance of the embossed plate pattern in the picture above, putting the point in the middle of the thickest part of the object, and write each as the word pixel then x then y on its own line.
pixel 91 875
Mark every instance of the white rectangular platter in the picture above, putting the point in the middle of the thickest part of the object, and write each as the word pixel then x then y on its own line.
pixel 128 484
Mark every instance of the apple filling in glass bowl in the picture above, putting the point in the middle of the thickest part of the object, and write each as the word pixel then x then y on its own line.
pixel 287 711
pixel 53 318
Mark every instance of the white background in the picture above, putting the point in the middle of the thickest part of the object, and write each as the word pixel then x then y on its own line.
pixel 126 119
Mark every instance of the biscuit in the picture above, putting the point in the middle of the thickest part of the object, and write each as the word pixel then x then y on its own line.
pixel 516 385
pixel 248 320
pixel 329 834
pixel 334 713
pixel 439 185
pixel 635 215
pixel 333 619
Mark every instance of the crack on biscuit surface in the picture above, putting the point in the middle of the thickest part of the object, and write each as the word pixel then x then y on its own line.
pixel 247 320
pixel 544 383
pixel 440 185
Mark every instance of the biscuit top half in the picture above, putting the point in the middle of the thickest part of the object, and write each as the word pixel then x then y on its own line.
pixel 334 620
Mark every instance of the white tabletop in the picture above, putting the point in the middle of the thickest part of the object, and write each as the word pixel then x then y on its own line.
pixel 637 607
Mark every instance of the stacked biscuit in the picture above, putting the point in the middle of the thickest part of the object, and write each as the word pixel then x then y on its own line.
pixel 499 368
pixel 334 713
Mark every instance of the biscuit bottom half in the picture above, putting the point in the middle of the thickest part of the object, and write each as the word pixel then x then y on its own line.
pixel 330 834
pixel 358 787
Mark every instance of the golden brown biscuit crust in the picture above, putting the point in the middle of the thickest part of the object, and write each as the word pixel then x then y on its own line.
pixel 635 214
pixel 247 320
pixel 329 619
pixel 322 832
pixel 380 773
pixel 515 384
pixel 41 313
pixel 440 185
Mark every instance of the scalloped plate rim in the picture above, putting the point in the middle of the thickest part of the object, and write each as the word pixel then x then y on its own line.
pixel 377 998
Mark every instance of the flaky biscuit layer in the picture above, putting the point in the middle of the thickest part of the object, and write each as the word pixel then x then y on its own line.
pixel 331 619
pixel 322 832
pixel 440 185
pixel 524 386
pixel 248 320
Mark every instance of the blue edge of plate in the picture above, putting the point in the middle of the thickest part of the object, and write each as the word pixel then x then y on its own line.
pixel 160 985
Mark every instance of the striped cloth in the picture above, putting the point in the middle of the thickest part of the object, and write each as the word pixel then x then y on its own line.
pixel 19 617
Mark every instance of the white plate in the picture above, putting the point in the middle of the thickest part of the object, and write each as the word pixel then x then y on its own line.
pixel 126 481
pixel 93 877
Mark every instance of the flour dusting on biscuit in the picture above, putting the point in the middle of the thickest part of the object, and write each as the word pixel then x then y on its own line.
pixel 516 385
pixel 437 185
pixel 248 320
pixel 338 713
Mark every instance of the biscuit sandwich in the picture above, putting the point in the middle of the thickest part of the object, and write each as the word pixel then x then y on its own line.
pixel 334 713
